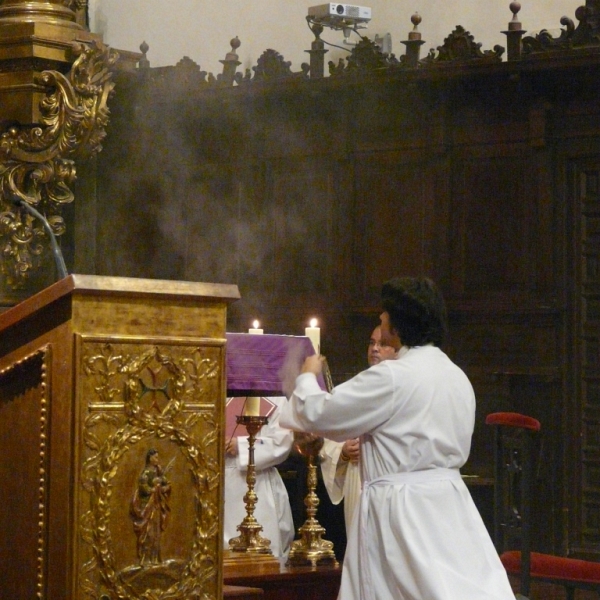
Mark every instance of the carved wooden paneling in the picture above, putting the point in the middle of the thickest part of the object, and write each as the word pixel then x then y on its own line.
pixel 214 243
pixel 25 389
pixel 587 298
pixel 300 222
pixel 137 396
pixel 384 118
pixel 494 225
pixel 394 222
pixel 292 127
pixel 309 193
pixel 485 338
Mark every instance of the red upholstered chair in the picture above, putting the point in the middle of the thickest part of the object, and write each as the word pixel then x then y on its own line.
pixel 513 463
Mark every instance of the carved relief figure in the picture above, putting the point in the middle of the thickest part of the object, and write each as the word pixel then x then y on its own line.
pixel 150 509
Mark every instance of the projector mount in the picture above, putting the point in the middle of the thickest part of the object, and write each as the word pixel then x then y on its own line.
pixel 340 17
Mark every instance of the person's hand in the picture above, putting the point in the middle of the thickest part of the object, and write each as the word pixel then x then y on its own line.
pixel 351 450
pixel 313 364
pixel 231 447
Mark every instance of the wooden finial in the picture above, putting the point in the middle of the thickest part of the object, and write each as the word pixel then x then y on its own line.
pixel 514 24
pixel 415 34
pixel 144 63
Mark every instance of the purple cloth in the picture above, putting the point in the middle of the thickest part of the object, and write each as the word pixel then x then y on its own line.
pixel 265 365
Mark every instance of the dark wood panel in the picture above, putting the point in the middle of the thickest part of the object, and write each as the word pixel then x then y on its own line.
pixel 300 222
pixel 24 433
pixel 243 593
pixel 586 213
pixel 394 222
pixel 291 583
pixel 494 226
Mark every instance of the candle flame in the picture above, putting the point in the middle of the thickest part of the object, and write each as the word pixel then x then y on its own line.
pixel 313 322
pixel 255 324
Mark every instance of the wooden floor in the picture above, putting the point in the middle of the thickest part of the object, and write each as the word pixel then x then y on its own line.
pixel 545 591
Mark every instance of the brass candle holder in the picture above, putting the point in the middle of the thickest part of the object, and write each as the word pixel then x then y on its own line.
pixel 250 545
pixel 311 549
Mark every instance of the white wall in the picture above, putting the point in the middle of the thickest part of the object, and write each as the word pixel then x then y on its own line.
pixel 201 29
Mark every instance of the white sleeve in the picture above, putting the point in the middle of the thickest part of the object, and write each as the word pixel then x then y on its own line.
pixel 334 470
pixel 354 408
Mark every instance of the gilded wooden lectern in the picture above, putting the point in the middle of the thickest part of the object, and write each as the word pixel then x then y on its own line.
pixel 112 396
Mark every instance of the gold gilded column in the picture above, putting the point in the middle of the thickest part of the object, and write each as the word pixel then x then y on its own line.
pixel 34 37
pixel 55 81
pixel 54 11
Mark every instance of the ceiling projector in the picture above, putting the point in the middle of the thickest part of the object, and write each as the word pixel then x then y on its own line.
pixel 339 15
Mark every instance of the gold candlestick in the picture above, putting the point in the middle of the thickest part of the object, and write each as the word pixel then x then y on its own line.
pixel 250 545
pixel 310 549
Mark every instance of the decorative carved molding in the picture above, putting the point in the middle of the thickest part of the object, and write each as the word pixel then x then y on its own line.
pixel 272 66
pixel 587 33
pixel 586 200
pixel 460 46
pixel 139 396
pixel 188 73
pixel 37 164
pixel 55 12
pixel 80 8
pixel 365 56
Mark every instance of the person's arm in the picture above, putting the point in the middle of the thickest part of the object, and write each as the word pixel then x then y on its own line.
pixel 272 445
pixel 356 407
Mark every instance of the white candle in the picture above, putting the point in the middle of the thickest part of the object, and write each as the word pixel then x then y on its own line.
pixel 314 334
pixel 251 407
pixel 255 329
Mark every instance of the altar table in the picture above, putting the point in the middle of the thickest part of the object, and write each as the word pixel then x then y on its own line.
pixel 289 583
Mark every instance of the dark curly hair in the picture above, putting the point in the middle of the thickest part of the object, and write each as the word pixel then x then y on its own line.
pixel 416 309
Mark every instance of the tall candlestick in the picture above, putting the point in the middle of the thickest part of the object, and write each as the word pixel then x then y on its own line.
pixel 251 407
pixel 255 329
pixel 314 334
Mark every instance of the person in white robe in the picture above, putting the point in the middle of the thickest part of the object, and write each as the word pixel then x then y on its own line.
pixel 272 510
pixel 418 534
pixel 339 460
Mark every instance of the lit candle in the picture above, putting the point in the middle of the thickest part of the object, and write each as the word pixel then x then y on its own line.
pixel 314 334
pixel 255 328
pixel 251 407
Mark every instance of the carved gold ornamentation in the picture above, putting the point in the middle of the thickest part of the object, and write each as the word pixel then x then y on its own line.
pixel 250 541
pixel 142 396
pixel 80 8
pixel 37 164
pixel 311 549
pixel 460 46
